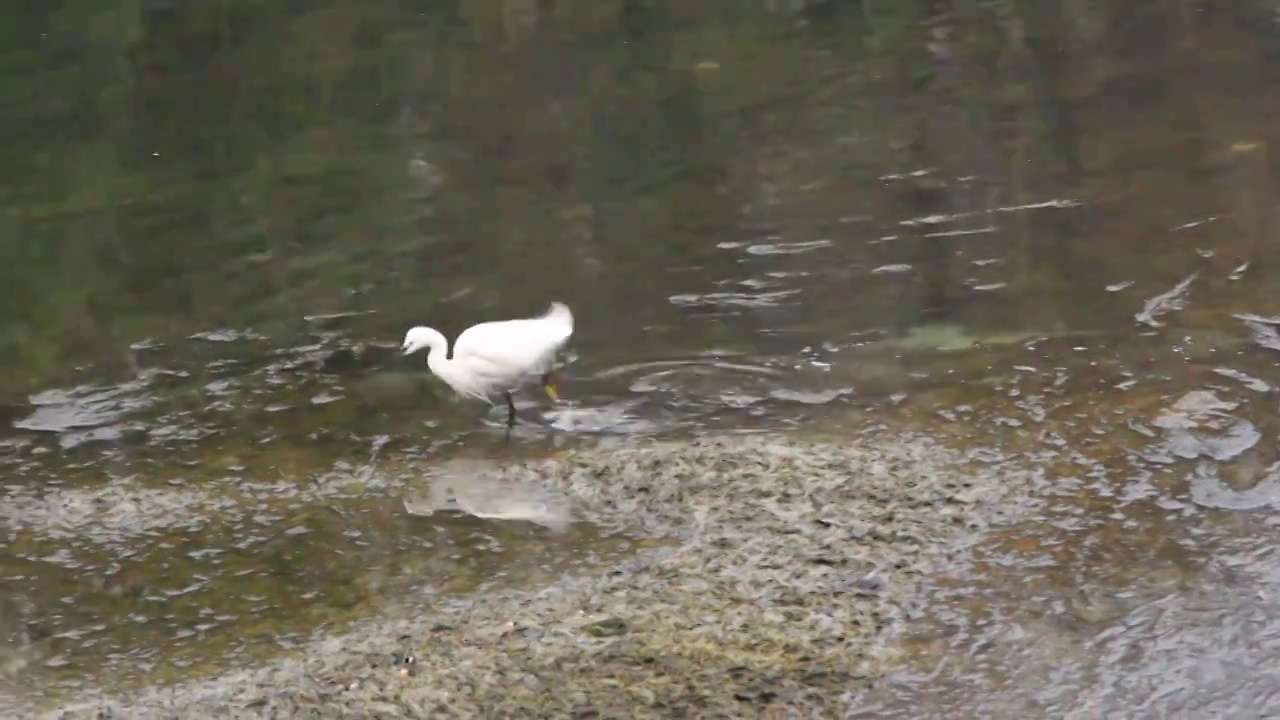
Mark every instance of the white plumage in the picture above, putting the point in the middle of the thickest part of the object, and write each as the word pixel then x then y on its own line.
pixel 496 357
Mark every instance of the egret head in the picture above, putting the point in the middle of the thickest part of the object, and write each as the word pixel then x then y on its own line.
pixel 418 338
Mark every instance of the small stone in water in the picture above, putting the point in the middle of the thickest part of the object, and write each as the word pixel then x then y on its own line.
pixel 609 627
pixel 405 663
pixel 869 586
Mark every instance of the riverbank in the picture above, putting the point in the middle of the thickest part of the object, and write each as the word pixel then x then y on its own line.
pixel 791 563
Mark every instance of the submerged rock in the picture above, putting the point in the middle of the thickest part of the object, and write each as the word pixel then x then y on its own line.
pixel 768 598
pixel 609 627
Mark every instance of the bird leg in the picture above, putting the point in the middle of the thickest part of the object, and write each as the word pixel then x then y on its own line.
pixel 511 411
pixel 549 385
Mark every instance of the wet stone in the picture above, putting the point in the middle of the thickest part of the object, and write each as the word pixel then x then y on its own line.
pixel 609 627
pixel 404 662
pixel 344 361
pixel 869 586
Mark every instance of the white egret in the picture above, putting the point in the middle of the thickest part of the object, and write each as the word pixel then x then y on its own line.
pixel 496 357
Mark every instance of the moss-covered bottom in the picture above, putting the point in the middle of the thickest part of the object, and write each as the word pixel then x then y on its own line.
pixel 790 565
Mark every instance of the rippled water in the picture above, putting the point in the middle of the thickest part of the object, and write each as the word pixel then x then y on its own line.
pixel 216 227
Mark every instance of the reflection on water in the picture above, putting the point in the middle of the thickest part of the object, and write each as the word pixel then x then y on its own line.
pixel 467 487
pixel 217 218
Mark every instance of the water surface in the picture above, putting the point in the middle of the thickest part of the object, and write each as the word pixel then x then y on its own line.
pixel 1044 230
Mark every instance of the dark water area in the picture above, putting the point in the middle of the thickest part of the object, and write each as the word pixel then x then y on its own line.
pixel 1040 224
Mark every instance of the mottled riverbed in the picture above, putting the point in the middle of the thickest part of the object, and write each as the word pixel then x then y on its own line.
pixel 785 565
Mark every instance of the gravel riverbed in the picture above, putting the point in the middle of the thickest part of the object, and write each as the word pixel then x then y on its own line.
pixel 790 564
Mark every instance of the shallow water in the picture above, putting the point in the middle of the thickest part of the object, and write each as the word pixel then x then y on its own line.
pixel 218 222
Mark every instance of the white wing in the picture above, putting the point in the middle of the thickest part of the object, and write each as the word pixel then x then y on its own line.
pixel 508 349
